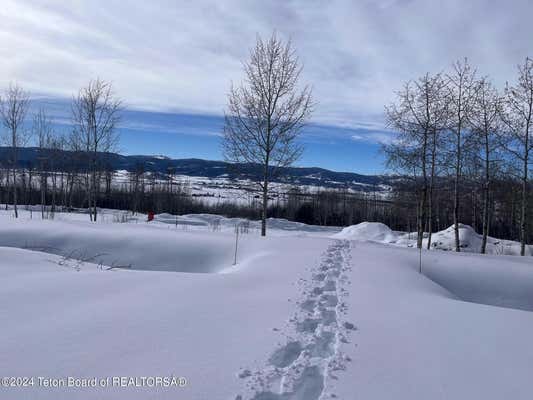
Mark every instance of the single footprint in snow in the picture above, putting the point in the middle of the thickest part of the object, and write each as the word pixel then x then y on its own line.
pixel 328 317
pixel 330 286
pixel 286 355
pixel 308 305
pixel 323 346
pixel 319 277
pixel 308 387
pixel 330 300
pixel 333 273
pixel 308 325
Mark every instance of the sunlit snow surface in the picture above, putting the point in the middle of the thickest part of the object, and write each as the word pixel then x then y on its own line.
pixel 301 315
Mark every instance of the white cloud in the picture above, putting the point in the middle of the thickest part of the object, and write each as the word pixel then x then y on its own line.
pixel 181 55
pixel 374 137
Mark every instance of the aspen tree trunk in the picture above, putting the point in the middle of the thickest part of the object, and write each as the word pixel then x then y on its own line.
pixel 523 212
pixel 486 191
pixel 456 192
pixel 431 185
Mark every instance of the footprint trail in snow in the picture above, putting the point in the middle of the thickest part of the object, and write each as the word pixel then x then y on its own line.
pixel 304 368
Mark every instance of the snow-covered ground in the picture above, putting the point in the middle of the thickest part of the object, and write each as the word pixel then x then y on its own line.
pixel 301 316
pixel 222 189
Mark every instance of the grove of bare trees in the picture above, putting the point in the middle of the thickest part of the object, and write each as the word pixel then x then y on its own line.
pixel 457 130
pixel 95 114
pixel 518 120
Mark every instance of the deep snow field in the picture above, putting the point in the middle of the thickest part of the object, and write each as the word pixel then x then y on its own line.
pixel 307 313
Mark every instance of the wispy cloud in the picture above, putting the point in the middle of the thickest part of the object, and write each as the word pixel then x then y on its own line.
pixel 168 55
pixel 375 137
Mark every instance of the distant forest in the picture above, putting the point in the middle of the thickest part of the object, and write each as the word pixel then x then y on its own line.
pixel 63 190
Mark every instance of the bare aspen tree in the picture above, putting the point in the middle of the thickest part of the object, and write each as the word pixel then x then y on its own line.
pixel 56 148
pixel 485 122
pixel 462 88
pixel 438 111
pixel 418 116
pixel 95 114
pixel 518 118
pixel 13 109
pixel 267 112
pixel 42 131
pixel 137 186
pixel 76 165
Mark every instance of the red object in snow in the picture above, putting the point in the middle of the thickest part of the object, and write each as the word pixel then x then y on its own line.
pixel 150 216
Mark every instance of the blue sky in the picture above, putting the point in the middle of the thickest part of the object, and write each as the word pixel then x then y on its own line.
pixel 181 135
pixel 173 61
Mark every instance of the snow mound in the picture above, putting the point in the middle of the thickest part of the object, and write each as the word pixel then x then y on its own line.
pixel 371 231
pixel 445 240
pixel 470 242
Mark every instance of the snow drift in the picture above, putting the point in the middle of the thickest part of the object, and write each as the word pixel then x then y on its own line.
pixel 471 242
pixel 371 231
pixel 123 245
pixel 442 240
pixel 202 243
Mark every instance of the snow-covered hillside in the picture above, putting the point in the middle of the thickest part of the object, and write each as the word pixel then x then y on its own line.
pixel 212 182
pixel 301 316
pixel 244 191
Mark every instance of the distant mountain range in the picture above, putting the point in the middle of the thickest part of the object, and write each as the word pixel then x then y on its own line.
pixel 31 156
